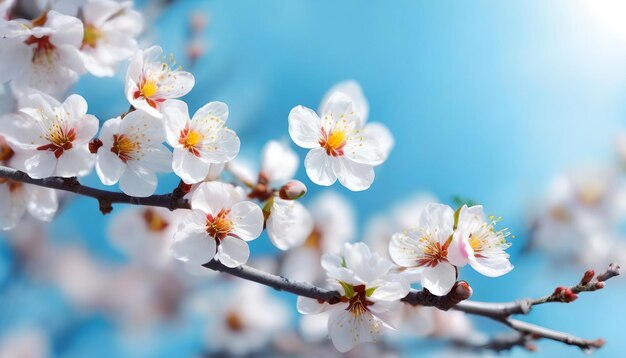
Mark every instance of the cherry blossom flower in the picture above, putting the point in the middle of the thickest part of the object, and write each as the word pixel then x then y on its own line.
pixel 16 197
pixel 145 233
pixel 218 226
pixel 200 141
pixel 340 146
pixel 110 29
pixel 369 292
pixel 52 43
pixel 427 246
pixel 477 242
pixel 51 137
pixel 289 223
pixel 151 82
pixel 242 318
pixel 353 90
pixel 132 153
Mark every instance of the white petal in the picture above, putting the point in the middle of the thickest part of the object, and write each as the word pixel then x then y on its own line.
pixel 137 181
pixel 304 127
pixel 218 110
pixel 347 330
pixel 352 175
pixel 307 305
pixel 176 119
pixel 223 148
pixel 77 161
pixel 194 247
pixel 42 203
pixel 352 90
pixel 492 266
pixel 70 29
pixel 212 197
pixel 439 279
pixel 392 291
pixel 12 207
pixel 109 167
pixel 404 250
pixel 319 167
pixel 188 167
pixel 41 165
pixel 157 159
pixel 278 161
pixel 233 252
pixel 289 224
pixel 382 135
pixel 247 218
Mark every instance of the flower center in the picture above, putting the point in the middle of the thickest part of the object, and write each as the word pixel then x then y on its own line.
pixel 358 303
pixel 434 253
pixel 334 142
pixel 124 147
pixel 314 240
pixel 219 226
pixel 149 89
pixel 190 139
pixel 60 139
pixel 234 322
pixel 154 221
pixel 5 151
pixel 92 36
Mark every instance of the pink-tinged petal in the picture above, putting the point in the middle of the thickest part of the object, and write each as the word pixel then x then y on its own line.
pixel 176 119
pixel 77 161
pixel 289 224
pixel 247 218
pixel 352 90
pixel 190 168
pixel 304 127
pixel 109 166
pixel 307 305
pixel 233 252
pixel 439 279
pixel 319 167
pixel 41 164
pixel 194 247
pixel 41 202
pixel 352 175
pixel 458 253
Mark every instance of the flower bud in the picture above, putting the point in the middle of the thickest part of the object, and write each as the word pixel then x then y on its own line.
pixel 293 190
pixel 587 277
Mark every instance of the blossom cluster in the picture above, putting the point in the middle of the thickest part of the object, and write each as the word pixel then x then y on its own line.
pixel 46 133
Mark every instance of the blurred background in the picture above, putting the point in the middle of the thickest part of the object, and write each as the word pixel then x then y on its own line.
pixel 517 106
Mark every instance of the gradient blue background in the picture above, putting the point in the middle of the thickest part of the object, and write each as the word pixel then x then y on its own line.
pixel 486 99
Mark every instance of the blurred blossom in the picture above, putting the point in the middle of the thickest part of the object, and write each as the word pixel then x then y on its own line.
pixel 334 223
pixel 242 317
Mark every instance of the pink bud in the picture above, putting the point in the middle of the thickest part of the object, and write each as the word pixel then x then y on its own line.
pixel 292 190
pixel 587 277
pixel 600 285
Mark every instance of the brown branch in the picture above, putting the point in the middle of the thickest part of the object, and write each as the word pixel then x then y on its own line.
pixel 456 299
pixel 105 198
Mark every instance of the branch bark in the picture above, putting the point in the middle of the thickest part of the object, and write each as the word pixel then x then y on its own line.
pixel 456 299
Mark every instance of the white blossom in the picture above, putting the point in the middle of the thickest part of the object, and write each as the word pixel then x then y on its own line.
pixel 151 82
pixel 132 152
pixel 427 246
pixel 478 243
pixel 200 141
pixel 43 54
pixel 340 146
pixel 52 137
pixel 369 292
pixel 110 31
pixel 218 226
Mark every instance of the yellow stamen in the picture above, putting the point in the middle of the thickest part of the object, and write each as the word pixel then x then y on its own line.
pixel 193 138
pixel 335 140
pixel 92 36
pixel 149 88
